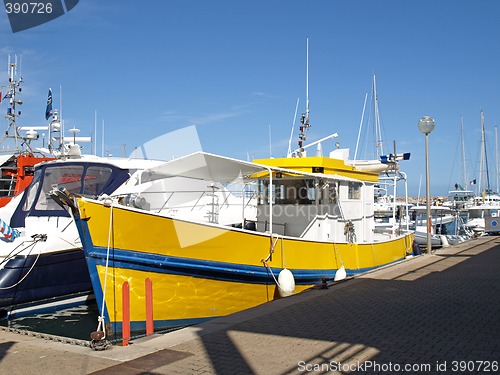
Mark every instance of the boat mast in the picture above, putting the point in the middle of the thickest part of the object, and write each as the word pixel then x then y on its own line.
pixel 496 154
pixel 13 90
pixel 485 176
pixel 464 171
pixel 378 133
pixel 289 153
pixel 305 116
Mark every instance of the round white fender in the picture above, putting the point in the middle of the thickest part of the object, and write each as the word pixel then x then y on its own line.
pixel 286 283
pixel 340 274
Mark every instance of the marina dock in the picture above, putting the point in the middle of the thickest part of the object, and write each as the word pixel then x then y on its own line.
pixel 430 314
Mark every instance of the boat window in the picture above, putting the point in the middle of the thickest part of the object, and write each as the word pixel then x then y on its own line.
pixel 354 190
pixel 96 178
pixel 475 214
pixel 327 191
pixel 31 191
pixel 288 191
pixel 64 177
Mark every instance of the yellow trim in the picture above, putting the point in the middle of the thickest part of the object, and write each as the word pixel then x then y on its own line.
pixel 329 165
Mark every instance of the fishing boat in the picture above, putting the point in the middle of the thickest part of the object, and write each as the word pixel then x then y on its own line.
pixel 313 219
pixel 257 231
pixel 17 156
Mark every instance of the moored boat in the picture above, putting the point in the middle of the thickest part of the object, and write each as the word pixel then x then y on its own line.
pixel 42 266
pixel 313 219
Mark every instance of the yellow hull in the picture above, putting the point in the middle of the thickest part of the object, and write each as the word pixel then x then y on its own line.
pixel 200 271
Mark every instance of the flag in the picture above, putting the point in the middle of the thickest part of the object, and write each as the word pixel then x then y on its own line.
pixel 8 95
pixel 473 182
pixel 9 233
pixel 48 110
pixel 0 96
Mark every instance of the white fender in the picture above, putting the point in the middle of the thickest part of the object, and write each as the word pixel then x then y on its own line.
pixel 340 274
pixel 444 241
pixel 286 283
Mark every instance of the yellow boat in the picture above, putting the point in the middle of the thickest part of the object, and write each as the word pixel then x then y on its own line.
pixel 204 236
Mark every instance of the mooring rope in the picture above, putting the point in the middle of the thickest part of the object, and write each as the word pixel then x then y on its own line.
pixel 36 239
pixel 100 319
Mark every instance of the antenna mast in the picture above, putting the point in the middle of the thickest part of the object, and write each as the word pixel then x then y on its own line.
pixel 289 153
pixel 305 116
pixel 13 90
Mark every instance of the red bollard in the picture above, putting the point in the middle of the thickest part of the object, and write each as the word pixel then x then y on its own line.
pixel 149 307
pixel 125 313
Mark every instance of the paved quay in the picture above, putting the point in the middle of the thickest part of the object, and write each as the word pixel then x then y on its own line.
pixel 437 314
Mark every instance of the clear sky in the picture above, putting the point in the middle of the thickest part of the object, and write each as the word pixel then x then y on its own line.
pixel 236 68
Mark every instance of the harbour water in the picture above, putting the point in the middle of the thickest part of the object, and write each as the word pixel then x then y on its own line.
pixel 75 322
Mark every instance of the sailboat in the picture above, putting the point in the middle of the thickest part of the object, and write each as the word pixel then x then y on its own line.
pixel 486 207
pixel 461 198
pixel 389 213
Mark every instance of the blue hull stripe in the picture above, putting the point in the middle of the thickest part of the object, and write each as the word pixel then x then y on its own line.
pixel 222 271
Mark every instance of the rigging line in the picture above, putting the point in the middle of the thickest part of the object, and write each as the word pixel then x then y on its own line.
pixel 16 251
pixel 360 127
pixel 101 317
pixel 283 253
pixel 31 268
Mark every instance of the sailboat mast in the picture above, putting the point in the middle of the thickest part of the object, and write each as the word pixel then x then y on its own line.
pixel 378 135
pixel 484 157
pixel 496 154
pixel 464 171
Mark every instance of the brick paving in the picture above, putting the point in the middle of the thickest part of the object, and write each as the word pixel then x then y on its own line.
pixel 429 315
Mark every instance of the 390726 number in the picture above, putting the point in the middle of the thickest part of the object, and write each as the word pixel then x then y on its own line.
pixel 471 366
pixel 28 8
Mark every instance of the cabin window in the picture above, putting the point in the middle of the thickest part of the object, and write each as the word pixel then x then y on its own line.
pixel 354 190
pixel 95 179
pixel 30 195
pixel 288 191
pixel 327 192
pixel 64 177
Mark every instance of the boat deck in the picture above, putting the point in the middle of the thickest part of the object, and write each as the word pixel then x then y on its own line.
pixel 439 311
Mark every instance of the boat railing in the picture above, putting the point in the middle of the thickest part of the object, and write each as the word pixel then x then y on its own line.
pixel 7 185
pixel 191 201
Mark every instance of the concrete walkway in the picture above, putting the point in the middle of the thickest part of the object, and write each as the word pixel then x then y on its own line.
pixel 434 314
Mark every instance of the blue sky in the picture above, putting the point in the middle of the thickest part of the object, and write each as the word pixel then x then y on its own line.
pixel 236 69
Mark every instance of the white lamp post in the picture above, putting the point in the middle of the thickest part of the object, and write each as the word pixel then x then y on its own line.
pixel 426 125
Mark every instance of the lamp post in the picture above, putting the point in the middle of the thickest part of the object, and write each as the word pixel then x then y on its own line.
pixel 426 125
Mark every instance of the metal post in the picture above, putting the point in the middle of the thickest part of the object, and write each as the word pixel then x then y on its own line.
pixel 426 125
pixel 428 195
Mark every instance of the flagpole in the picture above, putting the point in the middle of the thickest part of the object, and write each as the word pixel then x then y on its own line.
pixel 95 132
pixel 102 150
